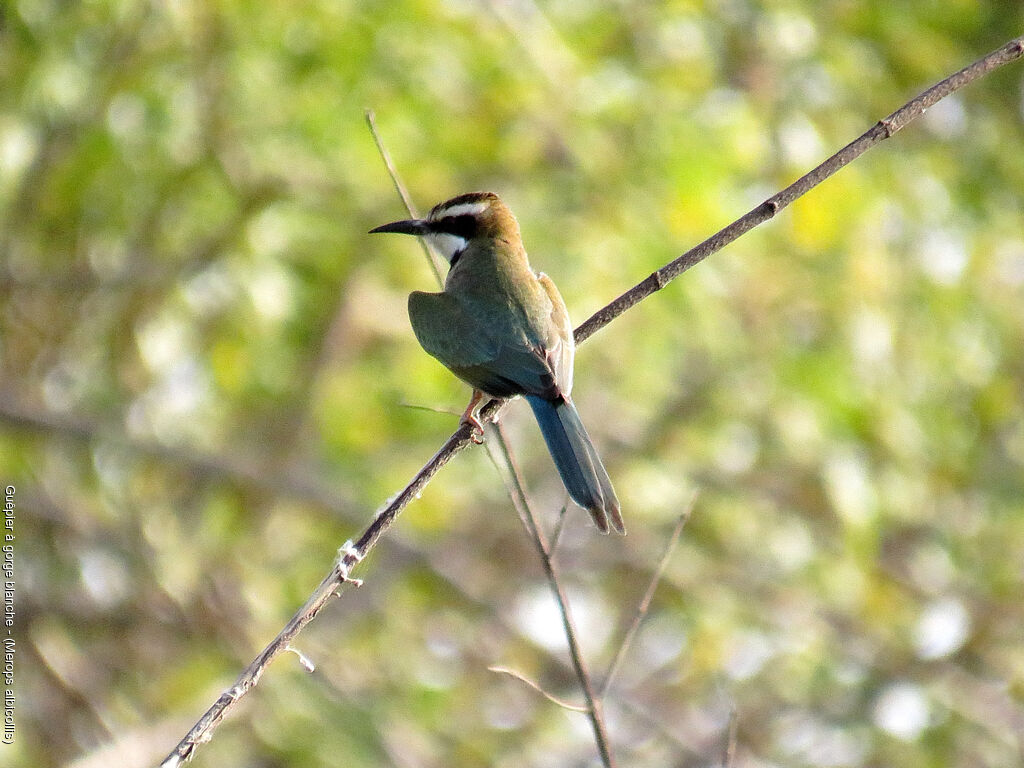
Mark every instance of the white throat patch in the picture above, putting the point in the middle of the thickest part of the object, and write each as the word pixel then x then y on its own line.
pixel 449 245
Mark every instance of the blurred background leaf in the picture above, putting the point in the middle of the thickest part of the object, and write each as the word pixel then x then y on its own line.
pixel 206 380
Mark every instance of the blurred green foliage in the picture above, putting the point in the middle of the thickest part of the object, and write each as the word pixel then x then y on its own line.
pixel 208 380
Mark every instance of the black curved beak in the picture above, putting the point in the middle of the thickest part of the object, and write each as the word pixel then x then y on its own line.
pixel 406 227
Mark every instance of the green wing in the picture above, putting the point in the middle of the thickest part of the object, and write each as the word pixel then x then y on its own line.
pixel 447 332
pixel 469 348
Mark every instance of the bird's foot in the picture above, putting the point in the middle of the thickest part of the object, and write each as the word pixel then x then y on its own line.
pixel 470 416
pixel 477 435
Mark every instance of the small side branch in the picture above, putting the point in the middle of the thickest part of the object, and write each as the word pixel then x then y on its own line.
pixel 530 684
pixel 645 602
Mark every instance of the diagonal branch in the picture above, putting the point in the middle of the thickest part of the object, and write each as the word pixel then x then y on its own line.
pixel 461 438
pixel 882 130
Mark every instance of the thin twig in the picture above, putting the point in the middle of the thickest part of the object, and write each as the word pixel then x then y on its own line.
pixel 645 602
pixel 371 122
pixel 461 438
pixel 553 699
pixel 729 756
pixel 428 408
pixel 556 534
pixel 304 660
pixel 516 489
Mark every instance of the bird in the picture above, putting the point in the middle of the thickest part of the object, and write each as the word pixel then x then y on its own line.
pixel 504 329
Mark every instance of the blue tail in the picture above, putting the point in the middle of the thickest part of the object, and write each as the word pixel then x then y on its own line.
pixel 577 461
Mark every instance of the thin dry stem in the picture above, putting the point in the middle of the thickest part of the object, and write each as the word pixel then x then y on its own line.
pixel 517 491
pixel 531 684
pixel 431 257
pixel 645 602
pixel 729 757
pixel 556 534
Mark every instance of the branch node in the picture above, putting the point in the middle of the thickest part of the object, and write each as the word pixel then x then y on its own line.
pixel 888 126
pixel 234 693
pixel 349 556
pixel 770 207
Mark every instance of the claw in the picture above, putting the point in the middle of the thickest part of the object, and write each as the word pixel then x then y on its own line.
pixel 470 416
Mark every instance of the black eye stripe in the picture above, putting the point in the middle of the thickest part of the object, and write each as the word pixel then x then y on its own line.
pixel 462 226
